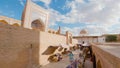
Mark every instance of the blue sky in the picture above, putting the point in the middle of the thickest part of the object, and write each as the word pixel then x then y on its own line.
pixel 11 8
pixel 96 16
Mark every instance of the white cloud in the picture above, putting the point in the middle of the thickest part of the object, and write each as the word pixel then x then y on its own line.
pixel 46 1
pixel 97 29
pixel 96 11
pixel 54 16
pixel 116 28
pixel 12 15
pixel 105 13
pixel 79 1
pixel 21 2
pixel 92 30
pixel 1 12
pixel 75 31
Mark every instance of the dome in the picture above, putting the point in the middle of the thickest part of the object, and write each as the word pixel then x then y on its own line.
pixel 83 31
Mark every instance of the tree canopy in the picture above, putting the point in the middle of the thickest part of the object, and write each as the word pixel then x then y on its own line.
pixel 111 38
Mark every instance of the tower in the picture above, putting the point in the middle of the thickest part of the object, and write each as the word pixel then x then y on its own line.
pixel 59 30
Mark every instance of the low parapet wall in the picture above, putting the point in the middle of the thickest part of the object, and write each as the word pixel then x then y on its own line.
pixel 106 56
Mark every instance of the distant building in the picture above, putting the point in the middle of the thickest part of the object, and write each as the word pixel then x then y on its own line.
pixel 86 37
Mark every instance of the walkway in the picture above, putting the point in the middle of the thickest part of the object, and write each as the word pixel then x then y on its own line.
pixel 63 63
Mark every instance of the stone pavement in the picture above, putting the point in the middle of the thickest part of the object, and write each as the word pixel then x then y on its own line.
pixel 88 64
pixel 65 61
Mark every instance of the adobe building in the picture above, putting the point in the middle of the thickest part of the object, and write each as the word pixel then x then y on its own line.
pixel 29 42
pixel 86 37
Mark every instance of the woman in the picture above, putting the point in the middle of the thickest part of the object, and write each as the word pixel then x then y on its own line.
pixel 71 56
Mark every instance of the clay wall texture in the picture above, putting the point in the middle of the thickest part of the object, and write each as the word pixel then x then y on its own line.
pixel 106 56
pixel 23 48
pixel 10 20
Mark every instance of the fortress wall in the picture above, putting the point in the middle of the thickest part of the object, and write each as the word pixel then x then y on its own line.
pixel 19 47
pixel 23 48
pixel 10 20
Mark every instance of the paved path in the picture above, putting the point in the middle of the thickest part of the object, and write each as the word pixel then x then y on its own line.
pixel 88 64
pixel 65 61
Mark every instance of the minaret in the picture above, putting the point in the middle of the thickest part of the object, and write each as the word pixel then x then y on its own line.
pixel 59 30
pixel 26 12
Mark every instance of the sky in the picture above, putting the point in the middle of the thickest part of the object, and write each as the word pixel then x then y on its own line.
pixel 96 16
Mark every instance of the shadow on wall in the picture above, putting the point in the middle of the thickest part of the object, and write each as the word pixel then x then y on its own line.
pixel 94 61
pixel 50 50
pixel 96 64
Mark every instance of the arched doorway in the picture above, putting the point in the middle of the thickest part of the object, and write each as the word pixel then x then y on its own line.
pixel 38 24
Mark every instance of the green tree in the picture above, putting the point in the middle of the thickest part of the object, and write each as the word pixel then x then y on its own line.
pixel 111 38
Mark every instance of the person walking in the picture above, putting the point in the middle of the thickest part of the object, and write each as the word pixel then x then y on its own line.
pixel 71 56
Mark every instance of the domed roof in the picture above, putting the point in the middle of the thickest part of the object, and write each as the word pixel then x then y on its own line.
pixel 83 31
